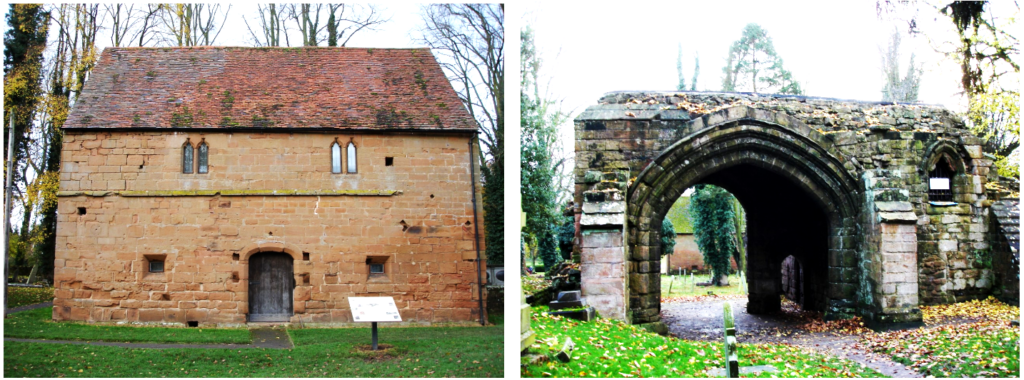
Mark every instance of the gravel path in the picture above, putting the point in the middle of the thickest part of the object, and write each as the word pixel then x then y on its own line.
pixel 703 321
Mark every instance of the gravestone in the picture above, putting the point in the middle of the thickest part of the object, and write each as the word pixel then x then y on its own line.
pixel 527 337
pixel 566 354
pixel 566 300
pixel 732 365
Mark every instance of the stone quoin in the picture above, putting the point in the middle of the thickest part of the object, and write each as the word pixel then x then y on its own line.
pixel 220 186
pixel 885 207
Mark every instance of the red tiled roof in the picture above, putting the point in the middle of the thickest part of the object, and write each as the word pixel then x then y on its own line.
pixel 274 88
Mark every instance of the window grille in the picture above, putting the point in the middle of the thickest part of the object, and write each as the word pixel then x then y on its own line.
pixel 940 187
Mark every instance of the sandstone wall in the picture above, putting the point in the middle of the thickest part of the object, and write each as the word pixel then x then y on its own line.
pixel 417 214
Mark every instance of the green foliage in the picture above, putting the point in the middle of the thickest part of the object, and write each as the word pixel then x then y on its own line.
pixel 714 229
pixel 27 296
pixel 753 65
pixel 995 117
pixel 668 237
pixel 566 234
pixel 494 211
pixel 24 43
pixel 896 89
pixel 546 248
pixel 540 167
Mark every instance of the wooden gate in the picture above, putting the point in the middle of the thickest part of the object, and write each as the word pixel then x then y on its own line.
pixel 271 281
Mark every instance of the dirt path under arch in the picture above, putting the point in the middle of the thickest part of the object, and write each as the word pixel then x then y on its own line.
pixel 702 320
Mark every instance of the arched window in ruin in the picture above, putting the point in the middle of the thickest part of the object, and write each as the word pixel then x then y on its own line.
pixel 940 181
pixel 186 157
pixel 335 157
pixel 204 157
pixel 351 157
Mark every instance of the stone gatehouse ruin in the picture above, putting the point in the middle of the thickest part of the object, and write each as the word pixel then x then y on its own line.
pixel 219 186
pixel 884 206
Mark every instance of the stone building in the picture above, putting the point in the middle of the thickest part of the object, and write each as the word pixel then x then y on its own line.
pixel 885 206
pixel 219 186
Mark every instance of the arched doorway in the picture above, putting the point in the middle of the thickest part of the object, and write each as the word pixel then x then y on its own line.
pixel 271 285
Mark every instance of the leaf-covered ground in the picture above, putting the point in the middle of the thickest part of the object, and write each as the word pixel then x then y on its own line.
pixel 534 283
pixel 27 296
pixel 986 346
pixel 608 348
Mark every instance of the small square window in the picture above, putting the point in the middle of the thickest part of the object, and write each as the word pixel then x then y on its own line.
pixel 389 161
pixel 376 268
pixel 156 266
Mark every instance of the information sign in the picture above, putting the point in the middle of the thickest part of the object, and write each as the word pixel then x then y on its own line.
pixel 374 309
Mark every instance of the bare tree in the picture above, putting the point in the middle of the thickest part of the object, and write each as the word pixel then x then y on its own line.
pixel 468 40
pixel 193 24
pixel 148 23
pixel 342 22
pixel 270 25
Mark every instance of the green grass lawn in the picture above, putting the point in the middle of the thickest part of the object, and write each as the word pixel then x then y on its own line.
pixel 36 324
pixel 27 296
pixel 683 286
pixel 417 352
pixel 607 348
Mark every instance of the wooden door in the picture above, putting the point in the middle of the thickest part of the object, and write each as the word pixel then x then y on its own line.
pixel 271 281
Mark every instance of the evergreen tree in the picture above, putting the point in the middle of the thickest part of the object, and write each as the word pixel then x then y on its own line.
pixel 24 43
pixel 681 86
pixel 668 237
pixel 897 89
pixel 540 167
pixel 566 234
pixel 712 214
pixel 753 65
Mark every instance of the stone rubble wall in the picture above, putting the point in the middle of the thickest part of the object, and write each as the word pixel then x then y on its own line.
pixel 626 131
pixel 424 229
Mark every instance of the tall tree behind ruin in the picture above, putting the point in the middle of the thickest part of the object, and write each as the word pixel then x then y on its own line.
pixel 713 217
pixel 986 51
pixel 899 89
pixel 468 40
pixel 540 164
pixel 753 65
pixel 681 86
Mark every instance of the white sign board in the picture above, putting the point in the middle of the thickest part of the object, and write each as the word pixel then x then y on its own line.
pixel 938 183
pixel 374 309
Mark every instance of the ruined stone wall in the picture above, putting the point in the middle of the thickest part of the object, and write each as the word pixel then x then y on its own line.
pixel 124 200
pixel 626 131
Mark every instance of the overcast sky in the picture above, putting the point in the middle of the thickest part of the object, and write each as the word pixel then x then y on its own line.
pixel 832 48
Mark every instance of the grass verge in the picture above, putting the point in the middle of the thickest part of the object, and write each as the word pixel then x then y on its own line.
pixel 684 286
pixel 416 352
pixel 19 296
pixel 607 348
pixel 36 324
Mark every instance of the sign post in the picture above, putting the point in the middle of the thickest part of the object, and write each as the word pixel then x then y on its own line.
pixel 373 310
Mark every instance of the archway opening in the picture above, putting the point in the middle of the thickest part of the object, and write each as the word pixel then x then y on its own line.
pixel 783 219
